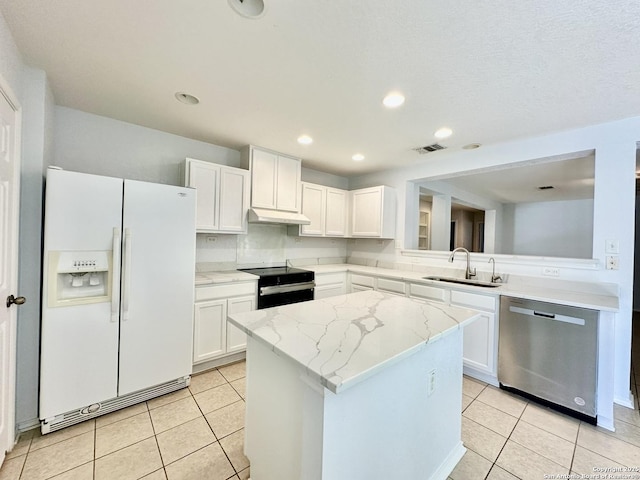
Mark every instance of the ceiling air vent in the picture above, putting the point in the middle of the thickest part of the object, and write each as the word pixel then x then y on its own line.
pixel 429 148
pixel 546 187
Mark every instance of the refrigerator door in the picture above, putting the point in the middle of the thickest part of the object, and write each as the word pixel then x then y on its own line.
pixel 79 343
pixel 158 270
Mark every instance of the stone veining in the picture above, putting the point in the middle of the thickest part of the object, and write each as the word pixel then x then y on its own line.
pixel 342 340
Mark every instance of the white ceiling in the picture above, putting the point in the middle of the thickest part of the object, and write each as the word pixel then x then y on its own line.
pixel 491 71
pixel 571 179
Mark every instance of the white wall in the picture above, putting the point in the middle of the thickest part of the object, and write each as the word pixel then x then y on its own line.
pixel 554 229
pixel 614 144
pixel 29 86
pixel 103 146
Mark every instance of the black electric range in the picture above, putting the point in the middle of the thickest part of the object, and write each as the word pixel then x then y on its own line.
pixel 282 285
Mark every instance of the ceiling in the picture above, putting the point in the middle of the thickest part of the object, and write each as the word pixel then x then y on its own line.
pixel 491 71
pixel 571 179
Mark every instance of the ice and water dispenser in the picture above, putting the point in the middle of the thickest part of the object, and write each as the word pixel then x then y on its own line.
pixel 77 278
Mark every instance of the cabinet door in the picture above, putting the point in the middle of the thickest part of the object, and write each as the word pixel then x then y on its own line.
pixel 335 224
pixel 326 291
pixel 264 167
pixel 234 184
pixel 366 212
pixel 288 184
pixel 479 344
pixel 204 177
pixel 313 206
pixel 360 288
pixel 209 330
pixel 236 338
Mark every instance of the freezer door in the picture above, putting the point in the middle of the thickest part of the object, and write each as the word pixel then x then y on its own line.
pixel 79 344
pixel 158 270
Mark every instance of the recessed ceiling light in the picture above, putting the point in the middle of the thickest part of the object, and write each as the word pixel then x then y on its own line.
pixel 305 140
pixel 358 157
pixel 248 8
pixel 443 132
pixel 393 100
pixel 471 146
pixel 187 99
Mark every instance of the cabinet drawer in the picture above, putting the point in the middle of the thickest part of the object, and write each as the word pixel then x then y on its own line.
pixel 395 286
pixel 473 300
pixel 225 291
pixel 329 278
pixel 427 292
pixel 363 280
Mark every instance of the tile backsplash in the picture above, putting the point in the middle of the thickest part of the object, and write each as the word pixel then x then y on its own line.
pixel 265 245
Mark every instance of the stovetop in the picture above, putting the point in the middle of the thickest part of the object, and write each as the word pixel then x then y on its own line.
pixel 269 271
pixel 280 275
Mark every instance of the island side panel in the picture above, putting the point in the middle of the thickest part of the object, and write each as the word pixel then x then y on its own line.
pixel 385 427
pixel 390 427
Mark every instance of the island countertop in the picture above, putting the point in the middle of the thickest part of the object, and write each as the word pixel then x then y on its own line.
pixel 340 341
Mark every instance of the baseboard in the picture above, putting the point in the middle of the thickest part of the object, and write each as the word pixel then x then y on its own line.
pixel 218 362
pixel 28 425
pixel 625 402
pixel 449 463
pixel 483 377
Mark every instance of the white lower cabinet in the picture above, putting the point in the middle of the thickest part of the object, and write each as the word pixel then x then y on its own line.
pixel 480 348
pixel 213 336
pixel 330 285
pixel 359 282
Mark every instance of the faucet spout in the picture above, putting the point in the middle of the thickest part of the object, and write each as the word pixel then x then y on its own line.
pixel 469 273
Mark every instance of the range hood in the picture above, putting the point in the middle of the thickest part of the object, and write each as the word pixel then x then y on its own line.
pixel 263 215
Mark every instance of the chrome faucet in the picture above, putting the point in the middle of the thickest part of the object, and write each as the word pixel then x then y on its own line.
pixel 494 278
pixel 469 273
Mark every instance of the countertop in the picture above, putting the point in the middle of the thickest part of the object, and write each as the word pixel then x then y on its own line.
pixel 227 276
pixel 597 296
pixel 342 340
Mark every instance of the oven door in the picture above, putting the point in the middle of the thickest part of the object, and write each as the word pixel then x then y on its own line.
pixel 275 295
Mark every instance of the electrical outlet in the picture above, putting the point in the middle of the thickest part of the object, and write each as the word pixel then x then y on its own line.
pixel 551 271
pixel 431 382
pixel 211 238
pixel 612 246
pixel 613 262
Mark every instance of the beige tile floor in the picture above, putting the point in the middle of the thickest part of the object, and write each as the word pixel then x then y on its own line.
pixel 197 433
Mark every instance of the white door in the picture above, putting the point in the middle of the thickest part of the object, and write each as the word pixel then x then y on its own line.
pixel 288 184
pixel 204 178
pixel 313 203
pixel 234 199
pixel 158 269
pixel 336 213
pixel 236 338
pixel 9 195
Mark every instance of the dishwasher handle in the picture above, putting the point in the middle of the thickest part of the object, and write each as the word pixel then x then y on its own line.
pixel 550 316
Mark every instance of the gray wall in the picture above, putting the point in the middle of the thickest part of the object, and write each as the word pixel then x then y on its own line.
pixel 93 144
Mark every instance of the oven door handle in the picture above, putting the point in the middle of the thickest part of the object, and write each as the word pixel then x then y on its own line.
pixel 294 287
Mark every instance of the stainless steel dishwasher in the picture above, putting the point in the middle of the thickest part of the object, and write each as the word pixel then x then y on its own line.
pixel 549 352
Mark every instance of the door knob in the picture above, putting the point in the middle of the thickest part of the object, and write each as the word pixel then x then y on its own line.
pixel 17 300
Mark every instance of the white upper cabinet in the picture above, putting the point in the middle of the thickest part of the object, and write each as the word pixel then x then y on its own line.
pixel 336 213
pixel 313 207
pixel 326 207
pixel 275 179
pixel 373 212
pixel 222 196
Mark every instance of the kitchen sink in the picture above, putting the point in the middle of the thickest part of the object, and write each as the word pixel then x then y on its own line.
pixel 463 281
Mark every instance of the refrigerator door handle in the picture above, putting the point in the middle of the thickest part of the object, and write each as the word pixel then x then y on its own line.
pixel 126 274
pixel 115 274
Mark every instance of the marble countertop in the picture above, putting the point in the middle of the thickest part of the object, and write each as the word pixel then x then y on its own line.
pixel 227 276
pixel 598 296
pixel 340 341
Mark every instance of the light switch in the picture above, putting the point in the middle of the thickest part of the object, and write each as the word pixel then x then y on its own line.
pixel 612 246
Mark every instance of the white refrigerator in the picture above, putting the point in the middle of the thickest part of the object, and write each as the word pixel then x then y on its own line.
pixel 117 296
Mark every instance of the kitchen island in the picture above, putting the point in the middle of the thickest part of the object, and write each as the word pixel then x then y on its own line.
pixel 360 386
